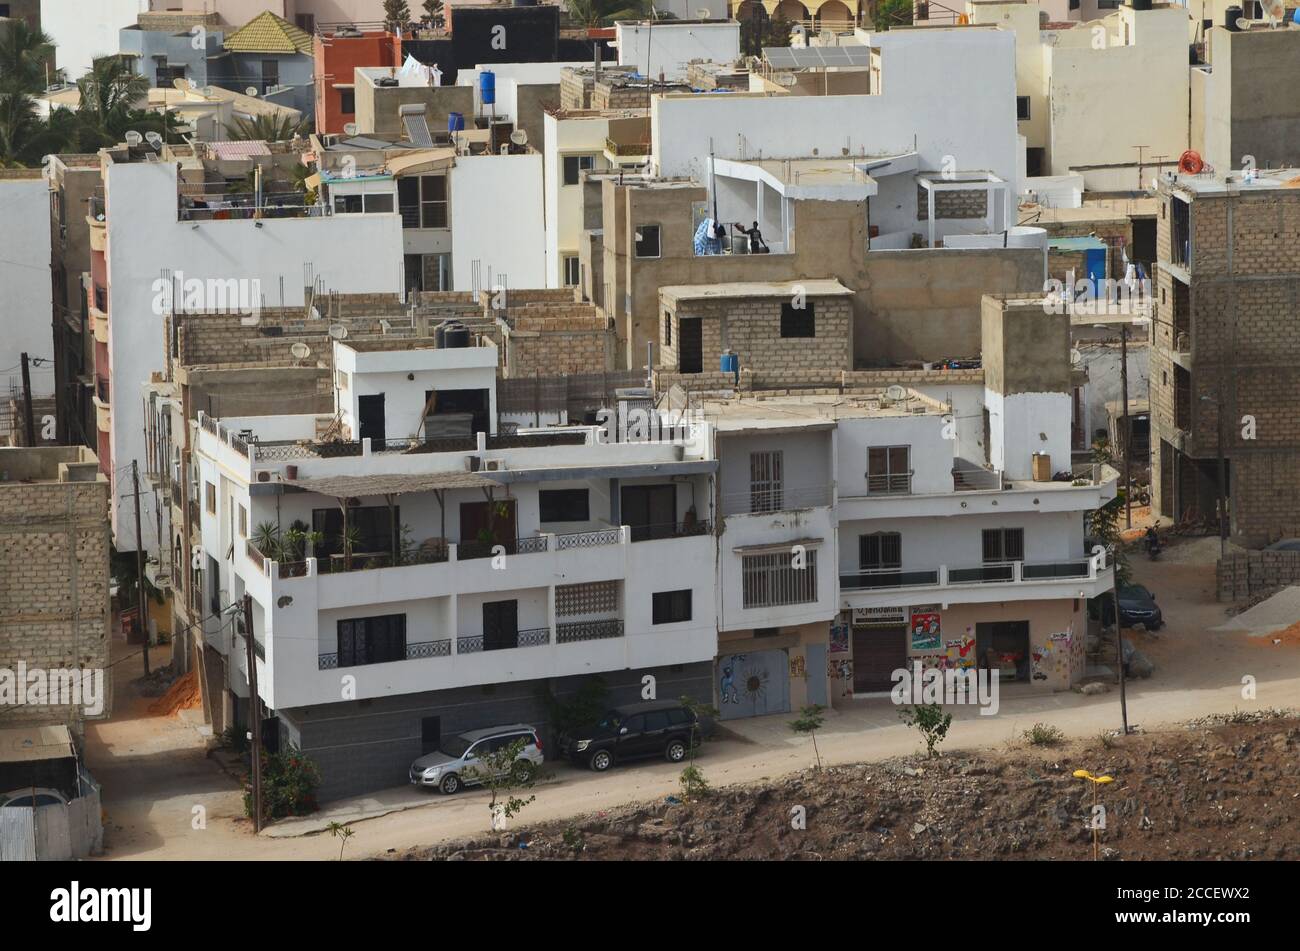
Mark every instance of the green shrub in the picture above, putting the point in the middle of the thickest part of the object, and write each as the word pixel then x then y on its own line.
pixel 1044 734
pixel 289 781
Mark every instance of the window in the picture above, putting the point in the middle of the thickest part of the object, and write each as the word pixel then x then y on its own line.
pixel 572 271
pixel 1022 107
pixel 348 101
pixel 372 640
pixel 270 73
pixel 1003 545
pixel 889 469
pixel 348 205
pixel 564 505
pixel 678 715
pixel 379 203
pixel 880 550
pixel 575 165
pixel 210 497
pixel 423 200
pixel 656 720
pixel 243 522
pixel 773 579
pixel 671 607
pixel 373 535
pixel 305 22
pixel 766 480
pixel 798 321
pixel 668 329
pixel 647 241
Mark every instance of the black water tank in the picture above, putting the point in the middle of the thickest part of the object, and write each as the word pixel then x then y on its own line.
pixel 1230 18
pixel 1140 4
pixel 456 336
pixel 525 3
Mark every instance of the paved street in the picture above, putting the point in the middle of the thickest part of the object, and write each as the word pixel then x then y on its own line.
pixel 154 769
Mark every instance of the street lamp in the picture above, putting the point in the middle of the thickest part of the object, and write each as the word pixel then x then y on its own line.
pixel 1222 474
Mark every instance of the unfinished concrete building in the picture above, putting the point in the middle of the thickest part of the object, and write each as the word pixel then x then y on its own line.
pixel 54 595
pixel 1226 351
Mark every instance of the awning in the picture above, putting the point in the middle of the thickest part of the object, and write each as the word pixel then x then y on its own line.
pixel 779 546
pixel 343 487
pixel 30 744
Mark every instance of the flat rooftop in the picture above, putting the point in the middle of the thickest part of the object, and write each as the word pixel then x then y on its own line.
pixel 774 414
pixel 1270 179
pixel 25 465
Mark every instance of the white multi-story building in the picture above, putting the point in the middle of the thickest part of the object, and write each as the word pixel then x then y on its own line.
pixel 435 573
pixel 161 230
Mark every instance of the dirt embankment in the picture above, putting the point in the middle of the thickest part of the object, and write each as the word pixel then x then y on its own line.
pixel 1216 790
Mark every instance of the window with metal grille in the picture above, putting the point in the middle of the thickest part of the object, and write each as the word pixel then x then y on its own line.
pixel 889 469
pixel 765 481
pixel 880 550
pixel 671 607
pixel 798 321
pixel 596 597
pixel 1003 544
pixel 770 580
pixel 372 640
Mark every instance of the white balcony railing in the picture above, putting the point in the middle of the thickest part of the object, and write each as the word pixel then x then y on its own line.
pixel 996 573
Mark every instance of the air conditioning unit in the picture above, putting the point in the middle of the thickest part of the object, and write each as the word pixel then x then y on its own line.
pixel 495 465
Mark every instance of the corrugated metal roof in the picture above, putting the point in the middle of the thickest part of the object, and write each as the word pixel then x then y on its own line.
pixel 268 33
pixel 234 150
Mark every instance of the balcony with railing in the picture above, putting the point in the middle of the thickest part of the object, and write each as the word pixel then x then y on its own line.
pixel 991 581
pixel 763 499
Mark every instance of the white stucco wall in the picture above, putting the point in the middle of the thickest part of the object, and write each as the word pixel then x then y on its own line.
pixel 666 47
pixel 25 301
pixel 85 29
pixel 575 135
pixel 352 254
pixel 497 210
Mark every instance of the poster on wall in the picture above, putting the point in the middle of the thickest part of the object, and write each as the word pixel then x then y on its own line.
pixel 925 631
pixel 839 639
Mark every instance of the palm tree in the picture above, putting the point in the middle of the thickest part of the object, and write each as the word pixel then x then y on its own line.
pixel 110 92
pixel 265 128
pixel 25 55
pixel 594 13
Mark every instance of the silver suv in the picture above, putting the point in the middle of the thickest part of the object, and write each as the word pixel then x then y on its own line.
pixel 457 761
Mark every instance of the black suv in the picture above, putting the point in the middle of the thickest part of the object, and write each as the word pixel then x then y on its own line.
pixel 658 728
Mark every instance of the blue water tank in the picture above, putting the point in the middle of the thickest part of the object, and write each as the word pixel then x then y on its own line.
pixel 455 122
pixel 487 87
pixel 730 362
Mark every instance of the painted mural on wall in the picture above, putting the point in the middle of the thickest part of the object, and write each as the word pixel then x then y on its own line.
pixel 1055 658
pixel 842 671
pixel 754 684
pixel 925 631
pixel 839 639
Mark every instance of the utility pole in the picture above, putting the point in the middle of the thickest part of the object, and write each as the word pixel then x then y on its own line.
pixel 1119 639
pixel 27 403
pixel 254 713
pixel 139 563
pixel 1126 426
pixel 1223 477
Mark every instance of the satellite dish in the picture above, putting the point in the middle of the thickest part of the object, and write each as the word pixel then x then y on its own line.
pixel 519 137
pixel 208 91
pixel 896 392
pixel 192 84
pixel 180 84
pixel 300 351
pixel 251 91
pixel 338 332
pixel 350 128
pixel 1075 357
pixel 133 138
pixel 154 139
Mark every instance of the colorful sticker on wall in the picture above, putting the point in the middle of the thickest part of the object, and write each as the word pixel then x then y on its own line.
pixel 1042 656
pixel 839 639
pixel 925 632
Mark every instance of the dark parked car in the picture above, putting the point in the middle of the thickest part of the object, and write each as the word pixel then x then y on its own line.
pixel 664 728
pixel 1137 605
pixel 1285 544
